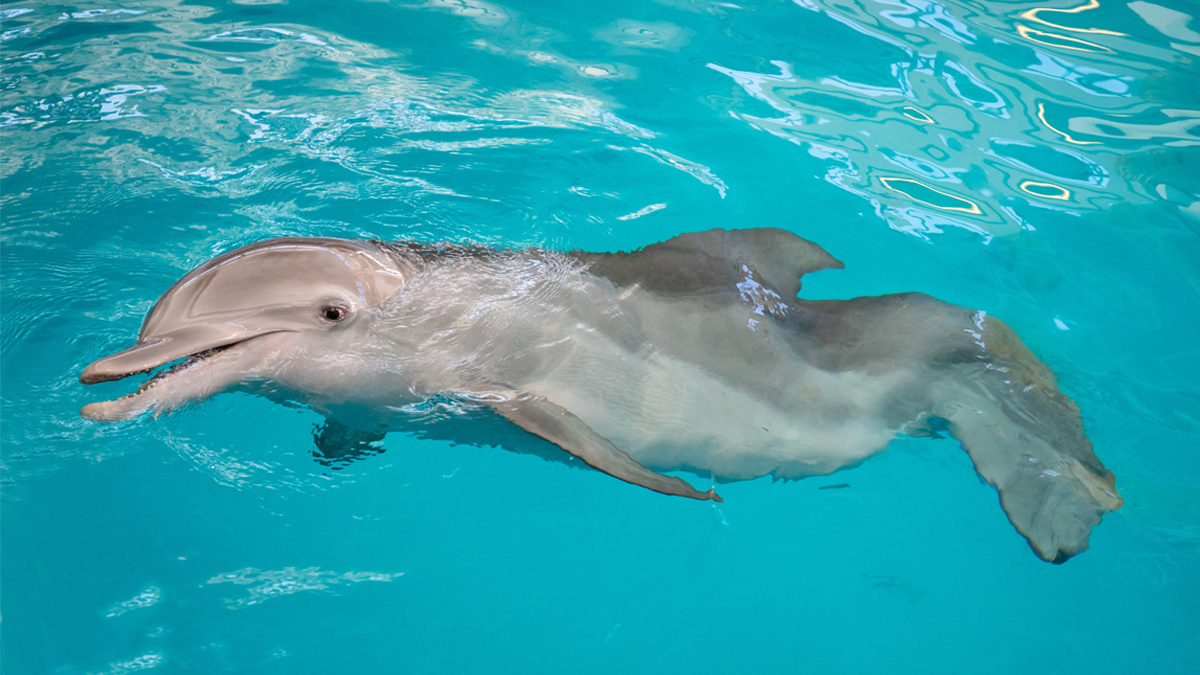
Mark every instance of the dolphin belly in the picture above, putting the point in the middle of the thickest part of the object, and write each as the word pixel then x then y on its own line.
pixel 670 413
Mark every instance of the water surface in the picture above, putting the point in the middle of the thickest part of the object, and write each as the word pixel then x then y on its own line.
pixel 1037 161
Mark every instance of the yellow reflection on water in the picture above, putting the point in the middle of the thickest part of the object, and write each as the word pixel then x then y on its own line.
pixel 916 115
pixel 1041 113
pixel 1046 190
pixel 943 200
pixel 1032 15
pixel 1028 33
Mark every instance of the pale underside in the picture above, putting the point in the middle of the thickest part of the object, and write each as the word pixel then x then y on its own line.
pixel 670 413
pixel 714 383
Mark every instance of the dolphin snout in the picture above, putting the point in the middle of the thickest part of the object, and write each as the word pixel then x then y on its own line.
pixel 100 371
pixel 152 352
pixel 143 356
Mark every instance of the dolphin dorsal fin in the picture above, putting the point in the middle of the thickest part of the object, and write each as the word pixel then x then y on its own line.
pixel 717 260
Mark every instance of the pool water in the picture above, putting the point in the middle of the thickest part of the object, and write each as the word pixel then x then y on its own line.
pixel 1035 161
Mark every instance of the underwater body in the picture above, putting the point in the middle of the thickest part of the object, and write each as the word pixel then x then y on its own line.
pixel 1035 163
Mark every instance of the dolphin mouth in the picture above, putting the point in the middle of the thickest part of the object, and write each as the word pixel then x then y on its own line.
pixel 151 353
pixel 177 367
pixel 189 371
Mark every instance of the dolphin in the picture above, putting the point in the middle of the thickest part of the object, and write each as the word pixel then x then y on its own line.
pixel 694 354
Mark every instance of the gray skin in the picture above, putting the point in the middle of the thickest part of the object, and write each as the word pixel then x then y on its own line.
pixel 693 354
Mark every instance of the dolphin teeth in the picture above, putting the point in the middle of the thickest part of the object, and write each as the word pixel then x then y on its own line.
pixel 178 367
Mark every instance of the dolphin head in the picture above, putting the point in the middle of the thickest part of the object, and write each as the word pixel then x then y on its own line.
pixel 251 314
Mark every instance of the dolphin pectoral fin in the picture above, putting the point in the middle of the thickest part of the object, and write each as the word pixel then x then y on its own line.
pixel 1026 438
pixel 554 423
pixel 337 444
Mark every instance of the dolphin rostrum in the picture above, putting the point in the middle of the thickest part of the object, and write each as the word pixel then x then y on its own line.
pixel 692 354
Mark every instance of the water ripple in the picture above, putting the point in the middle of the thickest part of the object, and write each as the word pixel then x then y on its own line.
pixel 1035 158
pixel 269 584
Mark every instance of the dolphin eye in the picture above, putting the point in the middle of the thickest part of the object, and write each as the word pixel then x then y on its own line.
pixel 333 314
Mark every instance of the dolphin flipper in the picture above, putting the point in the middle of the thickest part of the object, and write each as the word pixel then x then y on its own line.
pixel 554 423
pixel 1026 438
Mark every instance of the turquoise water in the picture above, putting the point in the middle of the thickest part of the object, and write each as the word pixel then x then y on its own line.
pixel 1035 161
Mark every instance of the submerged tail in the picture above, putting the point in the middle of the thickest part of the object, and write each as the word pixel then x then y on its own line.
pixel 1026 438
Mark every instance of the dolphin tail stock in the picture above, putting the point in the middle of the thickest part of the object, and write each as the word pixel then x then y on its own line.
pixel 1026 438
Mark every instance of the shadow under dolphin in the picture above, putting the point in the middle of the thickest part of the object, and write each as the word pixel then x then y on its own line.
pixel 692 354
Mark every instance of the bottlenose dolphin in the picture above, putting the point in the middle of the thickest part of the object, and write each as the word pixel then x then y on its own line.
pixel 692 354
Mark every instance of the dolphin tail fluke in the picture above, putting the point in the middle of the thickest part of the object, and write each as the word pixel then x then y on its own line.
pixel 1026 438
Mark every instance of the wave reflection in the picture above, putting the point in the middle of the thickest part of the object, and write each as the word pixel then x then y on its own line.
pixel 967 86
pixel 249 111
